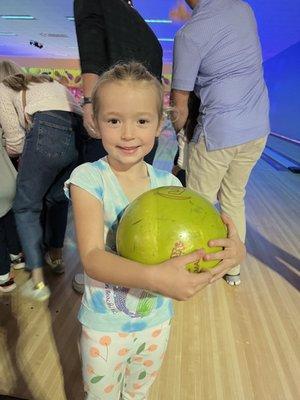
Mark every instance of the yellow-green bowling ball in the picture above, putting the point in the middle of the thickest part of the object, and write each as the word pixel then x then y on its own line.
pixel 166 222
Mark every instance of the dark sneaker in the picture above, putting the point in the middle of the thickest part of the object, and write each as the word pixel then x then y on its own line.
pixel 57 266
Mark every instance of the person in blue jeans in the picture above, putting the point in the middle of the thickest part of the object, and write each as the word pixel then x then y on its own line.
pixel 10 247
pixel 51 118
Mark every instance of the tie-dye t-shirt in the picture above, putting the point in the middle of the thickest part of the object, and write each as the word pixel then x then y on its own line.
pixel 108 307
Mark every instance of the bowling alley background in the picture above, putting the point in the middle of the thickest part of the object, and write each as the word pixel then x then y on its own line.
pixel 227 343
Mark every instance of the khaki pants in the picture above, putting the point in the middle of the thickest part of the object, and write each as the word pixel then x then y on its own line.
pixel 223 175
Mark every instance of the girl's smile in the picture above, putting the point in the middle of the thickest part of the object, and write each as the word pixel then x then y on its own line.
pixel 128 150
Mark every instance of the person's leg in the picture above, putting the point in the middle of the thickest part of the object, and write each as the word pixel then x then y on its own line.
pixel 142 368
pixel 206 169
pixel 12 238
pixel 6 281
pixel 4 255
pixel 233 189
pixel 56 216
pixel 32 183
pixel 46 153
pixel 13 242
pixel 104 356
pixel 56 204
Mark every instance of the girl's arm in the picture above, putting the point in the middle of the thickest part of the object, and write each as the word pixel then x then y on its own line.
pixel 169 278
pixel 98 263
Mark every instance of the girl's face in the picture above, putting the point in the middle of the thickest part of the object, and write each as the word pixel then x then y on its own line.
pixel 128 121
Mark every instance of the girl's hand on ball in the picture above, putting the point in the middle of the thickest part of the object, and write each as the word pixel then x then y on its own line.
pixel 171 279
pixel 233 252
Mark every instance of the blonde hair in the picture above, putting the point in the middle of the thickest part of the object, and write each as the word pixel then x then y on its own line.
pixel 132 72
pixel 20 82
pixel 7 68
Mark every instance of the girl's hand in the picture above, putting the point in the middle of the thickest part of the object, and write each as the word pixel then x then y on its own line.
pixel 171 279
pixel 233 252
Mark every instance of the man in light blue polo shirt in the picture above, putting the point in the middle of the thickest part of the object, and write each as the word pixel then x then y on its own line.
pixel 217 55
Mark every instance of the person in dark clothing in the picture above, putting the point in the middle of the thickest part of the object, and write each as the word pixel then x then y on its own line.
pixel 108 32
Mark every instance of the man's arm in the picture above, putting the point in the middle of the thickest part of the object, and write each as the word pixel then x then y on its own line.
pixel 179 100
pixel 90 31
pixel 91 36
pixel 186 63
pixel 88 82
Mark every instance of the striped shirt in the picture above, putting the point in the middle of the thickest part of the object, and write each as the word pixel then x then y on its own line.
pixel 218 55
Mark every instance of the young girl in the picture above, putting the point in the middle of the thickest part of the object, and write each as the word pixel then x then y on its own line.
pixel 123 343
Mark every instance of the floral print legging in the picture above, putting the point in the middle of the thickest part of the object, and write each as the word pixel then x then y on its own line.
pixel 119 365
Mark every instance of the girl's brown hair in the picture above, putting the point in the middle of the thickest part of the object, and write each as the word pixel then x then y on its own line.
pixel 7 68
pixel 134 72
pixel 20 82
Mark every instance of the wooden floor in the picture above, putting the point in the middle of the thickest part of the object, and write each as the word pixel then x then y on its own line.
pixel 227 343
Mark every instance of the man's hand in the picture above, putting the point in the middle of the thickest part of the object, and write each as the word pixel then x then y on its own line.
pixel 88 82
pixel 88 121
pixel 179 100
